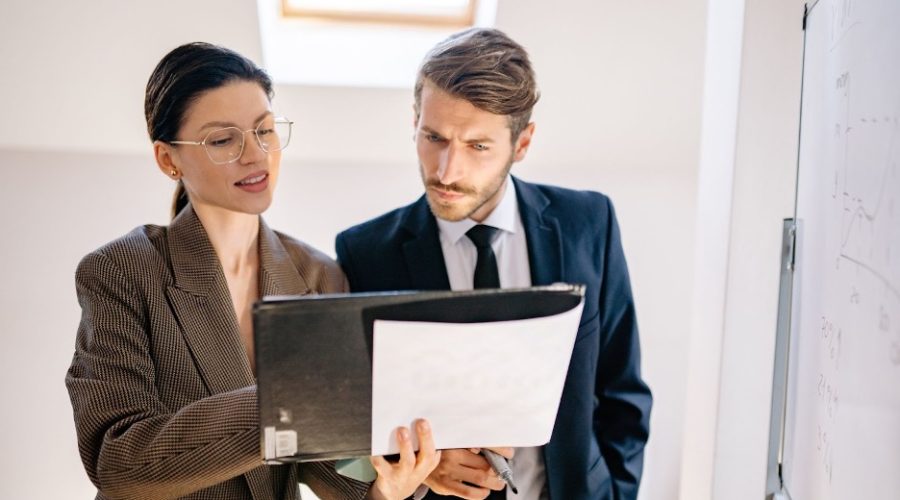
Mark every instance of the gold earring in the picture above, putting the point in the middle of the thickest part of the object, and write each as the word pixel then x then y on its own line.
pixel 173 173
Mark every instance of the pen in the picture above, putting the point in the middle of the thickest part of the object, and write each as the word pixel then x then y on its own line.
pixel 501 467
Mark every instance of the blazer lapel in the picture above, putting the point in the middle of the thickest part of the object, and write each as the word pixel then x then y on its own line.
pixel 277 276
pixel 202 303
pixel 277 273
pixel 542 235
pixel 422 251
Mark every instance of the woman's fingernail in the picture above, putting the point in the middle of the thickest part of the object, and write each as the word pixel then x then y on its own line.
pixel 423 426
pixel 404 433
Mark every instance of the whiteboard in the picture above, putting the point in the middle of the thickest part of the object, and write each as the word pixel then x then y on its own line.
pixel 842 417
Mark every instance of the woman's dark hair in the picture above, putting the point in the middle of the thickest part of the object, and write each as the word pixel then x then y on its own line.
pixel 180 78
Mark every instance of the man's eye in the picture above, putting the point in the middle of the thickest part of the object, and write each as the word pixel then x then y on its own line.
pixel 480 147
pixel 433 138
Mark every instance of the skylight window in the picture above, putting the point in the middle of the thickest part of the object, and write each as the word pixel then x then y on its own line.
pixel 454 13
pixel 359 43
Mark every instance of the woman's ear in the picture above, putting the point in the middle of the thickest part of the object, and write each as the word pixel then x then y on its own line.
pixel 165 160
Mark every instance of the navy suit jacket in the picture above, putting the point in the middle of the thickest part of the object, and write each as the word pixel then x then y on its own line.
pixel 597 447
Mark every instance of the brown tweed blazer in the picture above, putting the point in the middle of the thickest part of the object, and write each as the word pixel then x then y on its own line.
pixel 163 395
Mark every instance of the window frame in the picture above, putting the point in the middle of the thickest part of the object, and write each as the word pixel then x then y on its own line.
pixel 464 20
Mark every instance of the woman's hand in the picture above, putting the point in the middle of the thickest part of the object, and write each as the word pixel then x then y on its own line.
pixel 400 480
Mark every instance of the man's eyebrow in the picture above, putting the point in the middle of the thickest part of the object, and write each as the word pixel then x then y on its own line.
pixel 474 140
pixel 232 124
pixel 429 130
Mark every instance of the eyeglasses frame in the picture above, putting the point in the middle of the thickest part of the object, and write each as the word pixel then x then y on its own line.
pixel 243 141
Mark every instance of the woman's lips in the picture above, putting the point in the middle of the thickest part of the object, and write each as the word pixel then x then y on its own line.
pixel 254 183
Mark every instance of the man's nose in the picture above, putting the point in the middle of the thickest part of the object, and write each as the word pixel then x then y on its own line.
pixel 451 167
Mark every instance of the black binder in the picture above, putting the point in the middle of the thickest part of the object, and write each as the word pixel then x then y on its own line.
pixel 314 358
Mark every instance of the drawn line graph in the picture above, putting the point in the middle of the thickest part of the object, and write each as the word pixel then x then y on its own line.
pixel 860 211
pixel 855 208
pixel 887 283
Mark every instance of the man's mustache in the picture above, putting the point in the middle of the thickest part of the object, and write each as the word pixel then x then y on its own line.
pixel 453 188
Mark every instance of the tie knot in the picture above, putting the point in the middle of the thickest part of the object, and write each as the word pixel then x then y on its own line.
pixel 482 236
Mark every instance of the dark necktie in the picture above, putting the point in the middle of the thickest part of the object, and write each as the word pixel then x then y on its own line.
pixel 486 273
pixel 486 276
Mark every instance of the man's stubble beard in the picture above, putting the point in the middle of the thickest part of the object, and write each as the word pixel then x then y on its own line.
pixel 442 212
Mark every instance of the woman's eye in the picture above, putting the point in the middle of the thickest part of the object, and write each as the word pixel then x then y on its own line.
pixel 220 142
pixel 264 131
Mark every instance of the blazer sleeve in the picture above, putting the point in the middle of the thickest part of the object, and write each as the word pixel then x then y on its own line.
pixel 131 444
pixel 622 417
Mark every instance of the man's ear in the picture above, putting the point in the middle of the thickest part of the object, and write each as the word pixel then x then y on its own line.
pixel 165 160
pixel 523 142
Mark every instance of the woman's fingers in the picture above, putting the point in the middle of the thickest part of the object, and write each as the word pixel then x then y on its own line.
pixel 427 457
pixel 400 479
pixel 407 455
pixel 381 465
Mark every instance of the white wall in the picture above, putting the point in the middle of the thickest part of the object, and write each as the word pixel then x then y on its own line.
pixel 746 187
pixel 620 113
pixel 718 135
pixel 74 72
pixel 764 178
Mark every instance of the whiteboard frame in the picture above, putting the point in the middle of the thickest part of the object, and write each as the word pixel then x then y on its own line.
pixel 775 489
pixel 774 482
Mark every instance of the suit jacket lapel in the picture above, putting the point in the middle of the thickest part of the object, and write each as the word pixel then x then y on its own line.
pixel 422 251
pixel 202 303
pixel 277 273
pixel 545 256
pixel 277 276
pixel 542 235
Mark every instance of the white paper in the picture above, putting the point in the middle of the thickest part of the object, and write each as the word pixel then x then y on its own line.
pixel 478 384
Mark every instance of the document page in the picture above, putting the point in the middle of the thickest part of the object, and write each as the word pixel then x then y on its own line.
pixel 478 384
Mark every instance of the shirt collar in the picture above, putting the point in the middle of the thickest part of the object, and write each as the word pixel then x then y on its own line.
pixel 502 217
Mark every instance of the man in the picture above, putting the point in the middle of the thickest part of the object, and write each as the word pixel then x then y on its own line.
pixel 477 225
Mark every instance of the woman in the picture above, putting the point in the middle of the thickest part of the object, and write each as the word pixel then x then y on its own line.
pixel 162 381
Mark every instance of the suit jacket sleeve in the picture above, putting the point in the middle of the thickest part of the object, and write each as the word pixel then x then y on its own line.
pixel 131 444
pixel 622 417
pixel 344 260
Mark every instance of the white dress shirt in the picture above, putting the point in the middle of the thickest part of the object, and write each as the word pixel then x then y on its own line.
pixel 511 250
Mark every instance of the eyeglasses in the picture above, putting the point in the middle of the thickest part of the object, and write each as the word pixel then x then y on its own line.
pixel 226 145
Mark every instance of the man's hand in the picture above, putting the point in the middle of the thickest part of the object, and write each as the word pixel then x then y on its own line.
pixel 397 481
pixel 466 474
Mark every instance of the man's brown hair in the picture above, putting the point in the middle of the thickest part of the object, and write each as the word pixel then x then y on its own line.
pixel 486 68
